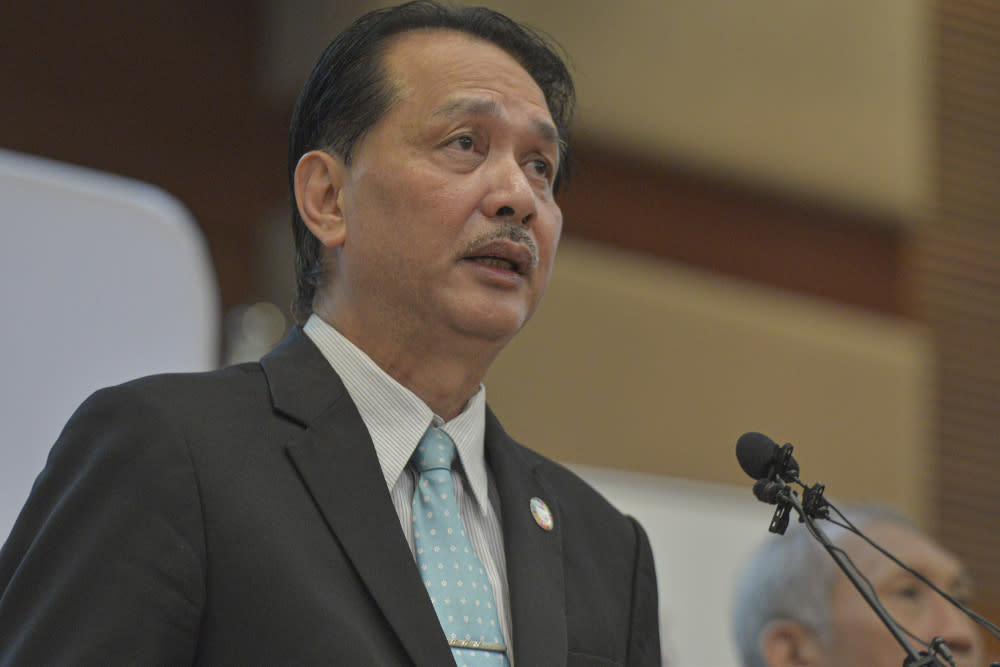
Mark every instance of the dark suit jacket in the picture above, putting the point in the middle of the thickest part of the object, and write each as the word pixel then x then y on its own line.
pixel 241 517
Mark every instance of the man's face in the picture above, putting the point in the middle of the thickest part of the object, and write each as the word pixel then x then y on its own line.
pixel 451 224
pixel 860 638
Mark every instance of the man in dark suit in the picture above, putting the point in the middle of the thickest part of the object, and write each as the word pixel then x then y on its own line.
pixel 265 513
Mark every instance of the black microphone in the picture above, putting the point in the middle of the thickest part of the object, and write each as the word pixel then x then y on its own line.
pixel 761 458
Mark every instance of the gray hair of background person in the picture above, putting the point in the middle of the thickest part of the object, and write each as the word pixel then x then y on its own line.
pixel 348 91
pixel 790 577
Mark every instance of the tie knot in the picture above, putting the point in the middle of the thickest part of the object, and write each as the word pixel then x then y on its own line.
pixel 436 451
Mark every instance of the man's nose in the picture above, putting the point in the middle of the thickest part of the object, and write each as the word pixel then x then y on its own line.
pixel 510 194
pixel 956 629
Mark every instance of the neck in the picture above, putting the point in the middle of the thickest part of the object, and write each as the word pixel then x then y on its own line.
pixel 444 383
pixel 443 373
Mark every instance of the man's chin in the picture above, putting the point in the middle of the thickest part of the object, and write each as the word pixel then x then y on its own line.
pixel 495 327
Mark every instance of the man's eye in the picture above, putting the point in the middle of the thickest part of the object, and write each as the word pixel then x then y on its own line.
pixel 541 168
pixel 465 142
pixel 912 592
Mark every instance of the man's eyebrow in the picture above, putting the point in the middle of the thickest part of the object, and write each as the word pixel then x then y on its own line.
pixel 489 107
pixel 548 132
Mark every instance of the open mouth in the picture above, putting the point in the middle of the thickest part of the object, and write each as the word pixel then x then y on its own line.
pixel 504 255
pixel 498 263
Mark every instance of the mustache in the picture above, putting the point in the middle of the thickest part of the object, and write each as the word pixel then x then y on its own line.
pixel 506 231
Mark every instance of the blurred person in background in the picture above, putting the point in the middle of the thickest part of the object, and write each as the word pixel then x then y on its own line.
pixel 794 607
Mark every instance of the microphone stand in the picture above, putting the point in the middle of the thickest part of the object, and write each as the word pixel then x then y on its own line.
pixel 787 498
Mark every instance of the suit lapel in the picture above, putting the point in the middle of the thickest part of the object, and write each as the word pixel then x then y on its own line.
pixel 337 462
pixel 534 556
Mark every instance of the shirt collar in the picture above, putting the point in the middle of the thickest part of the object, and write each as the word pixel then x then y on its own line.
pixel 397 418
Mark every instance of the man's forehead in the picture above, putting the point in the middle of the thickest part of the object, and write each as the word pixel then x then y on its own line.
pixel 421 51
pixel 912 547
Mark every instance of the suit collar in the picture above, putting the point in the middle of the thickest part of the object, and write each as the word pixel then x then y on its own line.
pixel 336 460
pixel 301 383
pixel 534 556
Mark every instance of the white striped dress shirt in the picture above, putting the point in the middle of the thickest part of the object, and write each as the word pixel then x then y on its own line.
pixel 396 420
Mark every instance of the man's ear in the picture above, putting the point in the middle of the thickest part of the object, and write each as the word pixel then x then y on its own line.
pixel 319 177
pixel 789 644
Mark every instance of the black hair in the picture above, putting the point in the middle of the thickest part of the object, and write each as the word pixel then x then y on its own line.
pixel 348 92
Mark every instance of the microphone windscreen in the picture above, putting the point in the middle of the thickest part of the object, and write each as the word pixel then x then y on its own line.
pixel 755 452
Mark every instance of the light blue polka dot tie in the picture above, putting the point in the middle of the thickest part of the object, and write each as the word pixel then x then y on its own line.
pixel 453 574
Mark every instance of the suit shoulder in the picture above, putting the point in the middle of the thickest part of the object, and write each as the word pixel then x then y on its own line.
pixel 169 404
pixel 183 389
pixel 221 378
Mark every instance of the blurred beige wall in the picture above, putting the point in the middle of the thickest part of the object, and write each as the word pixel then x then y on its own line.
pixel 827 98
pixel 636 364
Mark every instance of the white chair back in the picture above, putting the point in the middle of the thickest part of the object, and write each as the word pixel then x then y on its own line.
pixel 103 279
pixel 702 535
